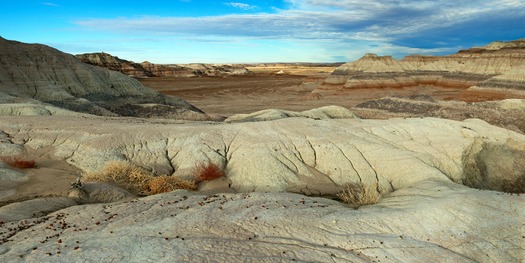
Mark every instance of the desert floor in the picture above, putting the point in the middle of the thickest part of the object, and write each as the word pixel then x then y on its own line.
pixel 245 94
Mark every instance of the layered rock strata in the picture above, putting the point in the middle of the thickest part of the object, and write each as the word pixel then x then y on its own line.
pixel 37 73
pixel 147 69
pixel 464 69
pixel 504 113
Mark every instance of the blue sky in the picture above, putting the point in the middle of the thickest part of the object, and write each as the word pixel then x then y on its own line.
pixel 237 31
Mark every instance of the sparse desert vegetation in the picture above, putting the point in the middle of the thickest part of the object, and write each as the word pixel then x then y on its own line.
pixel 207 172
pixel 139 181
pixel 165 183
pixel 124 174
pixel 18 162
pixel 358 194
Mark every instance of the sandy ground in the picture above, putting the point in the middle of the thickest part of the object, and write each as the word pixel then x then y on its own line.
pixel 245 94
pixel 50 177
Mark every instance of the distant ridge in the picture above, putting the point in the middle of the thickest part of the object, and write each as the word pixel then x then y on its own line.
pixel 38 73
pixel 147 69
pixel 494 66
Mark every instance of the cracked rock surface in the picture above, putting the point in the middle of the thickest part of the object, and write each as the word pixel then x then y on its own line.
pixel 289 153
pixel 428 170
pixel 430 221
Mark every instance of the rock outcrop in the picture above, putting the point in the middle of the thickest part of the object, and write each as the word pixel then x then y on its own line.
pixel 147 69
pixel 289 154
pixel 464 69
pixel 425 169
pixel 37 73
pixel 503 113
pixel 327 112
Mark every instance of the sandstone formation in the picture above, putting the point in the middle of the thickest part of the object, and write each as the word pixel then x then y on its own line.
pixel 513 80
pixel 464 69
pixel 425 168
pixel 37 73
pixel 504 113
pixel 147 69
pixel 327 112
pixel 289 154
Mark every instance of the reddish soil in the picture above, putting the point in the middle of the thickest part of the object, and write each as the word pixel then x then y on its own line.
pixel 485 95
pixel 245 94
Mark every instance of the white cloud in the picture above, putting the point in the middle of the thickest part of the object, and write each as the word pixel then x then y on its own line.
pixel 50 4
pixel 241 6
pixel 377 25
pixel 378 19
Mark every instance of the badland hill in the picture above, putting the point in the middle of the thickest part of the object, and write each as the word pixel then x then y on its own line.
pixel 37 73
pixel 499 66
pixel 147 69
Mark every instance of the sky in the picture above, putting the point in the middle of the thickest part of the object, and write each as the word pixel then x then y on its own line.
pixel 243 31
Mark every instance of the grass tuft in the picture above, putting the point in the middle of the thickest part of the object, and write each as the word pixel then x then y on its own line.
pixel 357 195
pixel 18 162
pixel 137 180
pixel 207 172
pixel 165 183
pixel 130 177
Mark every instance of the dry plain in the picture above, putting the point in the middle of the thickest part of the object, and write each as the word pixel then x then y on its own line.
pixel 265 89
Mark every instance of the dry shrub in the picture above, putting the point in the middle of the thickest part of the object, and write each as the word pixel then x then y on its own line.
pixel 124 174
pixel 165 183
pixel 207 172
pixel 357 195
pixel 18 162
pixel 137 180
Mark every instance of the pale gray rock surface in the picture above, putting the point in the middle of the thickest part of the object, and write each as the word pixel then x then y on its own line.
pixel 34 208
pixel 100 192
pixel 431 221
pixel 327 112
pixel 9 175
pixel 512 104
pixel 289 154
pixel 422 166
pixel 14 109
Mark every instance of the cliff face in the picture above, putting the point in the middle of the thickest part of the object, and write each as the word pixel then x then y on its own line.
pixel 147 69
pixel 499 64
pixel 39 73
